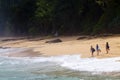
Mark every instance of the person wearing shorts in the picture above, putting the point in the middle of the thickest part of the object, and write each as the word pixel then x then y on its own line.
pixel 92 51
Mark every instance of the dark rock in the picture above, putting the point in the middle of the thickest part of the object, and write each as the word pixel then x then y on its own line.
pixel 9 40
pixel 82 37
pixel 54 41
pixel 106 35
pixel 14 39
pixel 35 39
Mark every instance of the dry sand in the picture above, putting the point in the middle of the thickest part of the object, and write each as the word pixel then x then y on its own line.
pixel 69 46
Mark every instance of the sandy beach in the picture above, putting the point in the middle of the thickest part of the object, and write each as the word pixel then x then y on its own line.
pixel 69 46
pixel 72 55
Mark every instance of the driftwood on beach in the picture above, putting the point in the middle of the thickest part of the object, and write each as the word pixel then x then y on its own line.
pixel 84 37
pixel 12 39
pixel 94 36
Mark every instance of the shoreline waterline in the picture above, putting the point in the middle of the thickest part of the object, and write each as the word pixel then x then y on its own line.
pixel 66 67
pixel 74 62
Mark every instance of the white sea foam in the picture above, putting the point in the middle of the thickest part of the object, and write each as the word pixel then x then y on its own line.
pixel 92 64
pixel 74 62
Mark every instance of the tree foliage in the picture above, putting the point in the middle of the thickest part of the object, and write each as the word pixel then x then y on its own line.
pixel 24 17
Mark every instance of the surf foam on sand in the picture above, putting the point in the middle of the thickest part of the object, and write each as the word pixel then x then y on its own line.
pixel 92 64
pixel 75 62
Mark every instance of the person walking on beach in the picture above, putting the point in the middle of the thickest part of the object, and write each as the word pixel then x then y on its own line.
pixel 92 51
pixel 98 49
pixel 107 47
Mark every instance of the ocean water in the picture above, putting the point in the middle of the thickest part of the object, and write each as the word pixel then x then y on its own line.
pixel 66 67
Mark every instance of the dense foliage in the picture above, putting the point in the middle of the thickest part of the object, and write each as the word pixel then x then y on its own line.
pixel 43 17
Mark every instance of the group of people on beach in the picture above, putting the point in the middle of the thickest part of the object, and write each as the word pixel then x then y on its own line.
pixel 98 50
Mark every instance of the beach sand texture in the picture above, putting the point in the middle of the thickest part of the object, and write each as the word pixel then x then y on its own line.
pixel 69 46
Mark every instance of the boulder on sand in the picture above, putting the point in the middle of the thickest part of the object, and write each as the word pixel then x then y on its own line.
pixel 82 37
pixel 54 41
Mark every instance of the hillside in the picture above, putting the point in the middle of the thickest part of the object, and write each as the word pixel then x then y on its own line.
pixel 44 17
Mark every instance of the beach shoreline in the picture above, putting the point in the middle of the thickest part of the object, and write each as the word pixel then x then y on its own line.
pixel 70 45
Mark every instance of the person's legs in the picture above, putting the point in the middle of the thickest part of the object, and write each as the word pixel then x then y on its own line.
pixel 98 51
pixel 107 51
pixel 92 54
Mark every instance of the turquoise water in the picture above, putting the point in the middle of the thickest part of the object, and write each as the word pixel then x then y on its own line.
pixel 46 68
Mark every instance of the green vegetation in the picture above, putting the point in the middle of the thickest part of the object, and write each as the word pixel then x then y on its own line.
pixel 46 17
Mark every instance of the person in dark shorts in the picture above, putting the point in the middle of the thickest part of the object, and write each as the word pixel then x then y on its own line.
pixel 92 51
pixel 107 48
pixel 98 49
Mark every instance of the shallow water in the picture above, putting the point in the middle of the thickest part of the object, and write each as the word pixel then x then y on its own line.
pixel 67 67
